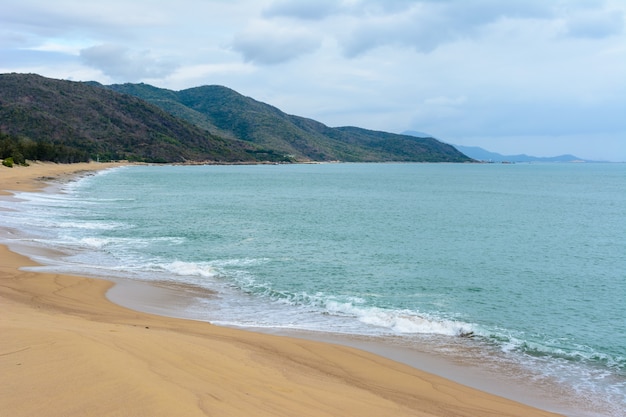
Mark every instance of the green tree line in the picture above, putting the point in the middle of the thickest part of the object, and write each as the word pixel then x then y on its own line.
pixel 20 149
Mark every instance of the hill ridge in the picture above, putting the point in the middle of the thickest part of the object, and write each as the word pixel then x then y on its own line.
pixel 205 123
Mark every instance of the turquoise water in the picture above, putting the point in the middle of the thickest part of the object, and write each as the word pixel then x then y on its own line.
pixel 529 258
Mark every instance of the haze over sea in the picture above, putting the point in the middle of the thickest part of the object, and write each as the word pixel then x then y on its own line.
pixel 527 259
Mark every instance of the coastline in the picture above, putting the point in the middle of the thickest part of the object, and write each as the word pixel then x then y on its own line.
pixel 67 350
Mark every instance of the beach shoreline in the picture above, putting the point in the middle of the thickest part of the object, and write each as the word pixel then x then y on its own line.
pixel 68 350
pixel 459 362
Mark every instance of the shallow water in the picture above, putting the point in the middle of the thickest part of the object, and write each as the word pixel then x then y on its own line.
pixel 528 258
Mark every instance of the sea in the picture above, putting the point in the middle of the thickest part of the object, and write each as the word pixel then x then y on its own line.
pixel 514 272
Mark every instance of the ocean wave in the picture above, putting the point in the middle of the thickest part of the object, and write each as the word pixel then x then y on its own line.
pixel 131 242
pixel 536 346
pixel 198 269
pixel 408 322
pixel 92 225
pixel 382 319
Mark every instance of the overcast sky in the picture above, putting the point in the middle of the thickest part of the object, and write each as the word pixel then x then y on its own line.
pixel 542 77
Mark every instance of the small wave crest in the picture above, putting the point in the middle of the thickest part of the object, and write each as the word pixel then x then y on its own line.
pixel 401 321
pixel 189 269
pixel 91 225
pixel 410 322
pixel 122 243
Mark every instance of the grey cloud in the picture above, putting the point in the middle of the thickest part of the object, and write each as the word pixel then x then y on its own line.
pixel 469 9
pixel 9 39
pixel 321 9
pixel 64 18
pixel 423 31
pixel 124 64
pixel 274 47
pixel 478 12
pixel 596 25
pixel 308 10
pixel 427 24
pixel 384 6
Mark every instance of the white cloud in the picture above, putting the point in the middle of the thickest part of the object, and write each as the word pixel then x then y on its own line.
pixel 61 46
pixel 123 64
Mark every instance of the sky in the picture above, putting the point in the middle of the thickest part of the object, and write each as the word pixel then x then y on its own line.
pixel 541 77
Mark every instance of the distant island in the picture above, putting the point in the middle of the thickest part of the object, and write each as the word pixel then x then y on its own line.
pixel 65 121
pixel 483 155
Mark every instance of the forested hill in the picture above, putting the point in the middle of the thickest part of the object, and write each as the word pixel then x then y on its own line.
pixel 42 118
pixel 225 112
pixel 64 121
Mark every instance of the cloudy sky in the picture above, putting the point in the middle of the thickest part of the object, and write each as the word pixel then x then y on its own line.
pixel 543 77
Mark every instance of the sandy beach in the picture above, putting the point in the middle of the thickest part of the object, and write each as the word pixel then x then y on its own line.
pixel 66 350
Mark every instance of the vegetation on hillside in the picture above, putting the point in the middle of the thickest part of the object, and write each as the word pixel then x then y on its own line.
pixel 18 150
pixel 224 111
pixel 66 121
pixel 105 125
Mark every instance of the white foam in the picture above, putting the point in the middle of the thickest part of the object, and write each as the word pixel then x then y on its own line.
pixel 374 320
pixel 91 225
pixel 406 322
pixel 189 269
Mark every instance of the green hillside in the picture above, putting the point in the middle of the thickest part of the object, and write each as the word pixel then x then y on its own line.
pixel 65 121
pixel 230 114
pixel 101 124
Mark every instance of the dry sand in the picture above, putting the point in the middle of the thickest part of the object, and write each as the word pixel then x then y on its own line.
pixel 65 350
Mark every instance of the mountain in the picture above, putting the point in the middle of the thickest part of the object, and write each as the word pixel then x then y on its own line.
pixel 105 124
pixel 68 121
pixel 481 154
pixel 225 112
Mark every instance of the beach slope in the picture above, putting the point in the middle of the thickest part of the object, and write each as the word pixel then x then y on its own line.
pixel 65 350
